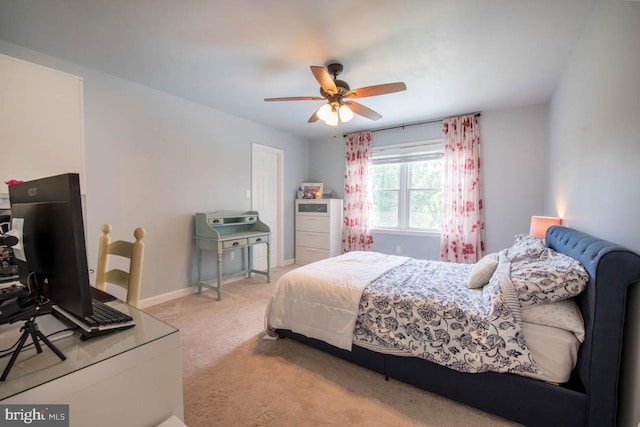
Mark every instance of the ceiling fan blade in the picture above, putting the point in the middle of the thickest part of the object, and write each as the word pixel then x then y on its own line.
pixel 314 117
pixel 362 110
pixel 382 89
pixel 324 78
pixel 296 98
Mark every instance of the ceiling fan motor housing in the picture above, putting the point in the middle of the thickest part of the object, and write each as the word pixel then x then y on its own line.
pixel 343 87
pixel 335 69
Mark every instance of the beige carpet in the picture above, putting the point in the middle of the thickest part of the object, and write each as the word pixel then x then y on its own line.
pixel 234 377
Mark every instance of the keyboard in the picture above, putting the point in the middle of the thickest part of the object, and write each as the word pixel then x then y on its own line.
pixel 104 315
pixel 100 295
pixel 104 319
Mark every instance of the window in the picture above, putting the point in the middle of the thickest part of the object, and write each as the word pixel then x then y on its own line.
pixel 407 186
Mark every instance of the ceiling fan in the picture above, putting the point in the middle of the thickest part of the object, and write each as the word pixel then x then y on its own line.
pixel 338 94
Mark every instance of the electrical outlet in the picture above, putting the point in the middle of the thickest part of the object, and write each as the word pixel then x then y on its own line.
pixel 398 249
pixel 232 256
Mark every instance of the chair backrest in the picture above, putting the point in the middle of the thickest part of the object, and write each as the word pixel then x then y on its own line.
pixel 131 281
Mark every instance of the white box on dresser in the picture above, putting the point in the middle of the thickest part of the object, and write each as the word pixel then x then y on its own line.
pixel 318 229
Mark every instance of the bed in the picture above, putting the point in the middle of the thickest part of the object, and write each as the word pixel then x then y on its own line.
pixel 587 394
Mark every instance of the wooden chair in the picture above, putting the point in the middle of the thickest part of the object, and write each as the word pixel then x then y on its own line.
pixel 131 281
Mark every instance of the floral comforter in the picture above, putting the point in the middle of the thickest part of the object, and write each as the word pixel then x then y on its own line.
pixel 425 307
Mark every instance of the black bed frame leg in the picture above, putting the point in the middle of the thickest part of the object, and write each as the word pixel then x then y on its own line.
pixel 384 367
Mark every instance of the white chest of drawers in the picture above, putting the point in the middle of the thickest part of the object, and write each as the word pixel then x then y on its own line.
pixel 318 229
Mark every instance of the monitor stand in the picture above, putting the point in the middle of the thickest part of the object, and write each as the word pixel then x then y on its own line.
pixel 30 328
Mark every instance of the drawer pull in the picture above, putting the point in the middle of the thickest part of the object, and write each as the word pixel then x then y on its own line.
pixel 216 221
pixel 236 243
pixel 259 239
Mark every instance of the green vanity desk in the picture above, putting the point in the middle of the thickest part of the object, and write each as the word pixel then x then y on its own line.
pixel 222 231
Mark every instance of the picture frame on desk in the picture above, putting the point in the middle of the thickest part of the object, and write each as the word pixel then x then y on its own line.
pixel 312 190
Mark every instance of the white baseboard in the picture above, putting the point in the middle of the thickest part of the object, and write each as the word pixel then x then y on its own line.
pixel 159 299
pixel 169 296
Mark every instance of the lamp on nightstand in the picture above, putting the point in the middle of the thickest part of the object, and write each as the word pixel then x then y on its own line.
pixel 540 224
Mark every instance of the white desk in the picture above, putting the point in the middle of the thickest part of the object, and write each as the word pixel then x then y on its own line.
pixel 128 378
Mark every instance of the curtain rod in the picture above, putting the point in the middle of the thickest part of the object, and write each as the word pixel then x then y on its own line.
pixel 477 114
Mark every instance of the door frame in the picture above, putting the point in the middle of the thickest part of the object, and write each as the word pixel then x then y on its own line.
pixel 279 250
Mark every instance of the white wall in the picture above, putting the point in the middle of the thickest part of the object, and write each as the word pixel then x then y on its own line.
pixel 33 94
pixel 512 149
pixel 152 160
pixel 595 128
pixel 514 170
pixel 595 152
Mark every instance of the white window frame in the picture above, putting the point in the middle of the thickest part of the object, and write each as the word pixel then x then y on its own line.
pixel 402 153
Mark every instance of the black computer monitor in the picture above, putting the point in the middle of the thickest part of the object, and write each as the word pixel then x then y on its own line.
pixel 46 216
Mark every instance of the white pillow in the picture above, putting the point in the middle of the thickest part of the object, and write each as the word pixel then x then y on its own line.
pixel 482 271
pixel 563 314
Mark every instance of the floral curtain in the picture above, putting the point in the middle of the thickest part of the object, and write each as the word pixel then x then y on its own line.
pixel 356 235
pixel 462 238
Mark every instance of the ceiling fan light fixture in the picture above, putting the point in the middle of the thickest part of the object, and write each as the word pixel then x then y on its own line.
pixel 332 119
pixel 324 112
pixel 345 113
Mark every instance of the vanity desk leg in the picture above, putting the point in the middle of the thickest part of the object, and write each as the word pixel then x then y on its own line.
pixel 219 288
pixel 268 262
pixel 199 282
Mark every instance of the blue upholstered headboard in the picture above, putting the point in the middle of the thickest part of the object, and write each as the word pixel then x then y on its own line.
pixel 612 269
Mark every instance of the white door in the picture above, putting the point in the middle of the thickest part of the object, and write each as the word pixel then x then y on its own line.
pixel 266 198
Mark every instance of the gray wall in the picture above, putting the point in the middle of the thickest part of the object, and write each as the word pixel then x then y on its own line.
pixel 595 128
pixel 594 152
pixel 152 160
pixel 588 175
pixel 513 153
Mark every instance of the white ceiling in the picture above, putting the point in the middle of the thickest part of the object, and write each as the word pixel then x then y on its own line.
pixel 455 56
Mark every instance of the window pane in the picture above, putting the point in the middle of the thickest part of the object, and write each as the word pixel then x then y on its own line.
pixel 425 174
pixel 408 194
pixel 386 177
pixel 425 209
pixel 385 209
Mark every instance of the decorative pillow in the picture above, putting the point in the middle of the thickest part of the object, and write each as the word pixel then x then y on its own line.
pixel 525 246
pixel 550 277
pixel 482 271
pixel 563 314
